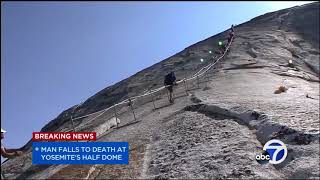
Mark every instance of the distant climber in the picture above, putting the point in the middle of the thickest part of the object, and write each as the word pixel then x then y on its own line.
pixel 169 82
pixel 230 38
pixel 8 153
pixel 290 64
pixel 221 47
pixel 231 34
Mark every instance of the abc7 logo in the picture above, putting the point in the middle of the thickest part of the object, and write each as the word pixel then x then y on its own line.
pixel 274 152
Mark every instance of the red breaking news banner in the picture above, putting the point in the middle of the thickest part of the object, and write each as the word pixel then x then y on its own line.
pixel 63 136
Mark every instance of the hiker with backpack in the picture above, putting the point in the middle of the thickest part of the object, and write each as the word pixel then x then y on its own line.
pixel 169 82
pixel 231 34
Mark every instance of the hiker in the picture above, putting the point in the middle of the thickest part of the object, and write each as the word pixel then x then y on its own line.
pixel 229 39
pixel 232 29
pixel 221 47
pixel 169 82
pixel 290 64
pixel 231 34
pixel 8 153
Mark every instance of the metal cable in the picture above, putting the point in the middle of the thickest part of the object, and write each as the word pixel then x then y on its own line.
pixel 197 74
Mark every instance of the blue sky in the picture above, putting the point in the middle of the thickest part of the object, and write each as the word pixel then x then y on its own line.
pixel 57 54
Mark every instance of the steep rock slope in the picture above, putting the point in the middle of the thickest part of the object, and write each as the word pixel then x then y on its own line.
pixel 213 130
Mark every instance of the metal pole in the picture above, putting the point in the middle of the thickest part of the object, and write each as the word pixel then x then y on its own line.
pixel 74 129
pixel 115 113
pixel 185 78
pixel 72 115
pixel 132 109
pixel 198 81
pixel 154 106
pixel 161 93
pixel 205 79
pixel 185 86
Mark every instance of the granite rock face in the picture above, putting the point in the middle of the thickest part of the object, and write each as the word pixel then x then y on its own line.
pixel 212 130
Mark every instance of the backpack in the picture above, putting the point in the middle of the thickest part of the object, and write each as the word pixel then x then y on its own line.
pixel 169 78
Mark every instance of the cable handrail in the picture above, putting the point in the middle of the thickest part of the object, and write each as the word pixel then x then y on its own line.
pixel 132 99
